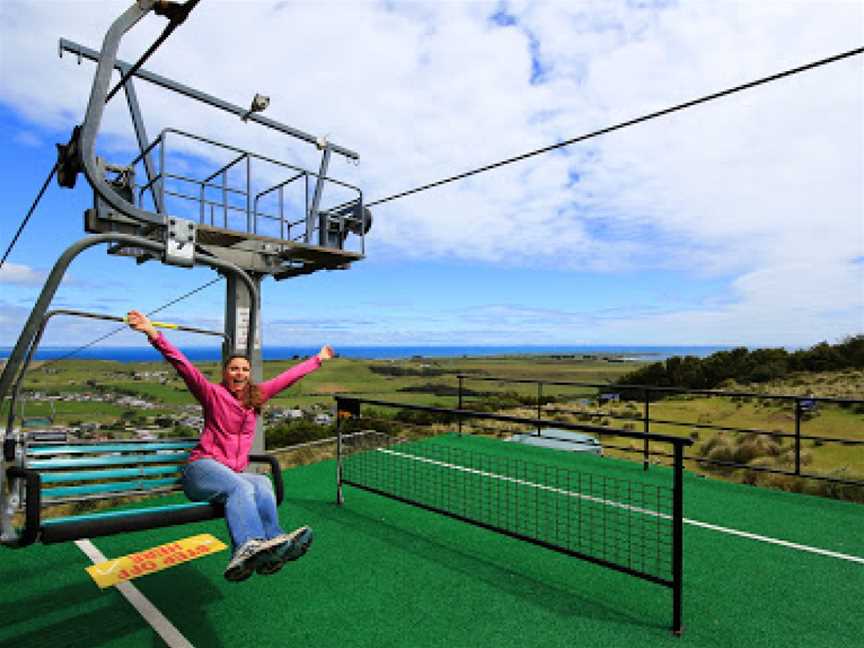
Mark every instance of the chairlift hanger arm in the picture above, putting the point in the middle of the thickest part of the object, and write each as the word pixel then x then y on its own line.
pixel 163 82
pixel 176 14
pixel 86 139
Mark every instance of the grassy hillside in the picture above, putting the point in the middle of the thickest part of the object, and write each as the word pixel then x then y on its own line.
pixel 433 381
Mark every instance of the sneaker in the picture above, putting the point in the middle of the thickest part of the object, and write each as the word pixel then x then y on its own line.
pixel 244 561
pixel 284 548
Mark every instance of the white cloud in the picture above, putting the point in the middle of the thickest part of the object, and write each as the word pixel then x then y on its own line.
pixel 764 186
pixel 17 274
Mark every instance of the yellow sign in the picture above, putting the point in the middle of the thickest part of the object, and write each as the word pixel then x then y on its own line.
pixel 149 561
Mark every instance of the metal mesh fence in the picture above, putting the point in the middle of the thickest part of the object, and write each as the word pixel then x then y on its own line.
pixel 621 523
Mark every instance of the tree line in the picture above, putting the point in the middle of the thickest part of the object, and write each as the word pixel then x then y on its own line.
pixel 745 366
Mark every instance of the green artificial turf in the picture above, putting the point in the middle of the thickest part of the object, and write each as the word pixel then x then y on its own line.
pixel 381 573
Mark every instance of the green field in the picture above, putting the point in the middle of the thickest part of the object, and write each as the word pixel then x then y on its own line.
pixel 433 381
pixel 341 375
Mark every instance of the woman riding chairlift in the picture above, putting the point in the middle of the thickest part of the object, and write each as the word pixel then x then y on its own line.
pixel 215 469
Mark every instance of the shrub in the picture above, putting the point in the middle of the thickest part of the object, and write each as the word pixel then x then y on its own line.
pixel 753 446
pixel 717 449
pixel 706 447
pixel 294 432
pixel 850 492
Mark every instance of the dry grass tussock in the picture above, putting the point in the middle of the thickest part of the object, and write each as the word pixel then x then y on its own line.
pixel 825 384
pixel 760 453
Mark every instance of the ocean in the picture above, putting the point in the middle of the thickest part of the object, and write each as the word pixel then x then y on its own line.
pixel 205 354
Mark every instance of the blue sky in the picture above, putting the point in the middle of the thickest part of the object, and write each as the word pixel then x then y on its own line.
pixel 739 222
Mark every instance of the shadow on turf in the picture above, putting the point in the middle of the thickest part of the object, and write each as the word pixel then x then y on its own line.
pixel 183 589
pixel 43 622
pixel 564 600
pixel 25 609
pixel 19 575
pixel 183 592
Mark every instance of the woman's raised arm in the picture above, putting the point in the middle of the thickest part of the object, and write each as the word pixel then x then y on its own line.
pixel 194 379
pixel 269 388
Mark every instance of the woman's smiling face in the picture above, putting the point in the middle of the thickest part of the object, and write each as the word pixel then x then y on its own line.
pixel 235 376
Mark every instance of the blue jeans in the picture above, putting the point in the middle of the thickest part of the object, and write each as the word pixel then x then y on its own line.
pixel 250 505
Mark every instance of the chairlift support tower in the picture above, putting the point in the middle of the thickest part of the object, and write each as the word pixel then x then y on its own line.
pixel 259 242
pixel 209 220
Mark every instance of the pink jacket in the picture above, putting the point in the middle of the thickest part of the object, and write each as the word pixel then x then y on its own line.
pixel 229 428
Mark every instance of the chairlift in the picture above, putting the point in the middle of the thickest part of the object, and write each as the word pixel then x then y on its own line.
pixel 44 472
pixel 244 242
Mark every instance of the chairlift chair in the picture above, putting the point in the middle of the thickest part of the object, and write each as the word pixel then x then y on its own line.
pixel 42 473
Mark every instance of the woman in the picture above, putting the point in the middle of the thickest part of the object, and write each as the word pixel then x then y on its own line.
pixel 215 469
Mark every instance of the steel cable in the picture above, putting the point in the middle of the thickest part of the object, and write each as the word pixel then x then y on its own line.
pixel 29 214
pixel 625 124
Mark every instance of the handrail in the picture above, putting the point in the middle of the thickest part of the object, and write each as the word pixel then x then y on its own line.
pixel 464 413
pixel 257 156
pixel 251 209
pixel 646 420
pixel 654 388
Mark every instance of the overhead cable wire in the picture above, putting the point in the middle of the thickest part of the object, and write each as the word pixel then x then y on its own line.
pixel 625 124
pixel 29 214
pixel 123 328
pixel 177 16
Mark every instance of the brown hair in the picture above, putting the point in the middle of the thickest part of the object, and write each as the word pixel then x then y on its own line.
pixel 251 395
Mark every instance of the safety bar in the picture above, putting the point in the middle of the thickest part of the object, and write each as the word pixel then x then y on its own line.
pixel 16 358
pixel 16 388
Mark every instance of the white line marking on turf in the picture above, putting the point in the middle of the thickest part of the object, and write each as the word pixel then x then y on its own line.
pixel 636 509
pixel 163 627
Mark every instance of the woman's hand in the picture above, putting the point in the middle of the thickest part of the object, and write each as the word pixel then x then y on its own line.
pixel 138 321
pixel 326 352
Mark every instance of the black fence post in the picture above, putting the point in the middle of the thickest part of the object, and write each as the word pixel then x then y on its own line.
pixel 646 428
pixel 797 436
pixel 339 497
pixel 539 405
pixel 677 538
pixel 460 403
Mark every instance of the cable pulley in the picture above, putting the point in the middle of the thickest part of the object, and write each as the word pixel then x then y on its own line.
pixel 69 163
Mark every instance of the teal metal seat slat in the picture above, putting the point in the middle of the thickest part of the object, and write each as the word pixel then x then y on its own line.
pixel 109 515
pixel 138 485
pixel 110 460
pixel 119 473
pixel 57 473
pixel 132 446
